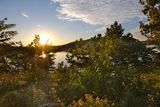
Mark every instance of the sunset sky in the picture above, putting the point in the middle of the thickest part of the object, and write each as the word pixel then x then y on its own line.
pixel 63 21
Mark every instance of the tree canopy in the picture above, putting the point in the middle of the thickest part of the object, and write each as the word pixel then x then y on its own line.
pixel 151 29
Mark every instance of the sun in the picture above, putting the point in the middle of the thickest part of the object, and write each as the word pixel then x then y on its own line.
pixel 43 40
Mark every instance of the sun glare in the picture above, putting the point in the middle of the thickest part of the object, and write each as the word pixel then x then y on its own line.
pixel 43 55
pixel 43 40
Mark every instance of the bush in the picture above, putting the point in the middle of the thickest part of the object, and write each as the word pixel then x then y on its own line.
pixel 23 98
pixel 90 101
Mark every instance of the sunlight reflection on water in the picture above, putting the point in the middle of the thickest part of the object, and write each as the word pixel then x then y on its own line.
pixel 60 56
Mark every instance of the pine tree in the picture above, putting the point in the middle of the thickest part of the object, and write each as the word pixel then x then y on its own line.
pixel 6 35
pixel 152 29
pixel 115 30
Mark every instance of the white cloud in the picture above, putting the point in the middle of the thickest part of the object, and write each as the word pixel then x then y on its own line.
pixel 102 12
pixel 137 34
pixel 101 29
pixel 25 15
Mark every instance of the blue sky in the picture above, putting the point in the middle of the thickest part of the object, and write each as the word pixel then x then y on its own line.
pixel 63 21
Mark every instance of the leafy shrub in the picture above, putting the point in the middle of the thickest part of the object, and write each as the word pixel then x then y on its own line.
pixel 90 101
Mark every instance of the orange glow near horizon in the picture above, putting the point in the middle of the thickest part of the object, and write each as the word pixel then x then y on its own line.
pixel 46 36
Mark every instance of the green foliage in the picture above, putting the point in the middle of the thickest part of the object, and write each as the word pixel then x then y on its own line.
pixel 29 97
pixel 115 30
pixel 28 88
pixel 152 29
pixel 24 77
pixel 114 70
pixel 6 35
pixel 133 100
pixel 109 67
pixel 90 101
pixel 67 88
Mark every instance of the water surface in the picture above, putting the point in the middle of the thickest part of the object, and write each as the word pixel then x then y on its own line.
pixel 60 56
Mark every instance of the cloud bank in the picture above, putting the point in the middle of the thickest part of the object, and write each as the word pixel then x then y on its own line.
pixel 103 12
